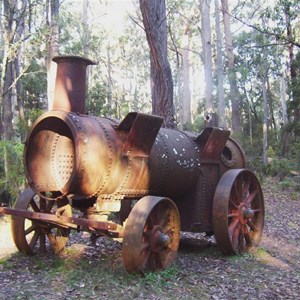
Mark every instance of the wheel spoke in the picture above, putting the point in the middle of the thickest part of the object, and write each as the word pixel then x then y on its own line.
pixel 252 226
pixel 250 198
pixel 232 226
pixel 30 229
pixel 234 204
pixel 235 237
pixel 238 187
pixel 158 260
pixel 247 236
pixel 34 206
pixel 241 240
pixel 35 238
pixel 145 259
pixel 232 215
pixel 245 190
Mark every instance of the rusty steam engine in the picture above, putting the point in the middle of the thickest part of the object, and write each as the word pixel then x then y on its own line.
pixel 156 182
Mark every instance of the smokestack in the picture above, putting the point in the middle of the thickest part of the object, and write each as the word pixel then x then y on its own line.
pixel 70 84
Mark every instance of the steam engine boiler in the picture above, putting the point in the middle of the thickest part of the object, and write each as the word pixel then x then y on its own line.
pixel 154 181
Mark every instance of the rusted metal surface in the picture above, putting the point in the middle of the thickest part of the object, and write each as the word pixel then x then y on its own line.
pixel 29 235
pixel 99 166
pixel 238 212
pixel 69 94
pixel 151 236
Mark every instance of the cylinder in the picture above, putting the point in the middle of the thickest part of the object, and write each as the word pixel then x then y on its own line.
pixel 70 84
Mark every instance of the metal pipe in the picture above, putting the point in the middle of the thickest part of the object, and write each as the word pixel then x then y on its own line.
pixel 70 83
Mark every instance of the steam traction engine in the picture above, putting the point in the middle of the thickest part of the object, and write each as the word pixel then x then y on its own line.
pixel 133 168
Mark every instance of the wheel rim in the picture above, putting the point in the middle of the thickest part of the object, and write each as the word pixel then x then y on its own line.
pixel 151 236
pixel 31 236
pixel 238 212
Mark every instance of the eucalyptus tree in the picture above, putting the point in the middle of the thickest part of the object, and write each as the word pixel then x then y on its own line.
pixel 219 66
pixel 154 20
pixel 234 97
pixel 207 56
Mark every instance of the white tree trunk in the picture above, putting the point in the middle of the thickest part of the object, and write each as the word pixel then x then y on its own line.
pixel 186 101
pixel 283 100
pixel 235 110
pixel 206 53
pixel 53 49
pixel 220 74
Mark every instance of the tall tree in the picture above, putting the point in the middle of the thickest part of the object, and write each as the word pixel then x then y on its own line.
pixel 155 24
pixel 206 54
pixel 186 91
pixel 235 110
pixel 219 69
pixel 53 46
pixel 7 75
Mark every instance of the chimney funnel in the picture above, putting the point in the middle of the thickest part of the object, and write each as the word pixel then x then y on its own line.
pixel 70 84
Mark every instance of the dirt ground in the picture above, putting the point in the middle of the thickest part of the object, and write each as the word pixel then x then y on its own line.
pixel 199 272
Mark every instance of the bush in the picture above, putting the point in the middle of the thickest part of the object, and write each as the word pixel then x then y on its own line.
pixel 278 167
pixel 14 180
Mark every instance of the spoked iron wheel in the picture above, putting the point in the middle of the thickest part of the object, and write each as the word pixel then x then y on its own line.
pixel 31 236
pixel 151 235
pixel 238 212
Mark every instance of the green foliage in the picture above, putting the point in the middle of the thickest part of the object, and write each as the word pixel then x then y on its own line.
pixel 278 167
pixel 162 278
pixel 14 179
pixel 196 126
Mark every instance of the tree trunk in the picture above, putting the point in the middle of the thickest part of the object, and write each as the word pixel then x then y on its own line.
pixel 109 82
pixel 186 100
pixel 53 6
pixel 206 54
pixel 265 121
pixel 283 100
pixel 292 66
pixel 220 74
pixel 7 72
pixel 235 110
pixel 19 88
pixel 85 27
pixel 154 20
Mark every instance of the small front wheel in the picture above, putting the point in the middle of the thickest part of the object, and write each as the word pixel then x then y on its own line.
pixel 31 236
pixel 151 235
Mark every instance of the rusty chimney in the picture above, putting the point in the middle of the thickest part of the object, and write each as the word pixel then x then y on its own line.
pixel 69 92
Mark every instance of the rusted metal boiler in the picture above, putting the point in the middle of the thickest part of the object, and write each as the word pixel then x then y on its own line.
pixel 155 182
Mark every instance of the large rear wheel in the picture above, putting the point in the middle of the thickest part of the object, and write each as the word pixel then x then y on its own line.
pixel 238 212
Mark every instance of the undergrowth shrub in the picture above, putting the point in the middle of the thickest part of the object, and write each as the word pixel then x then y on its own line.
pixel 13 180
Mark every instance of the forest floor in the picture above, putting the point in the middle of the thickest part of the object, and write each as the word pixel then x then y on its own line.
pixel 199 272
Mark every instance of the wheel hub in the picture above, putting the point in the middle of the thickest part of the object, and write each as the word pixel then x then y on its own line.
pixel 248 213
pixel 159 240
pixel 245 213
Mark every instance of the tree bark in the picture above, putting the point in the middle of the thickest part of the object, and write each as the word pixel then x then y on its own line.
pixel 206 54
pixel 235 110
pixel 7 72
pixel 85 27
pixel 265 120
pixel 292 66
pixel 186 99
pixel 220 74
pixel 53 7
pixel 154 20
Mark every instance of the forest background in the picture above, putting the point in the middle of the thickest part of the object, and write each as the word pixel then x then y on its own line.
pixel 235 65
